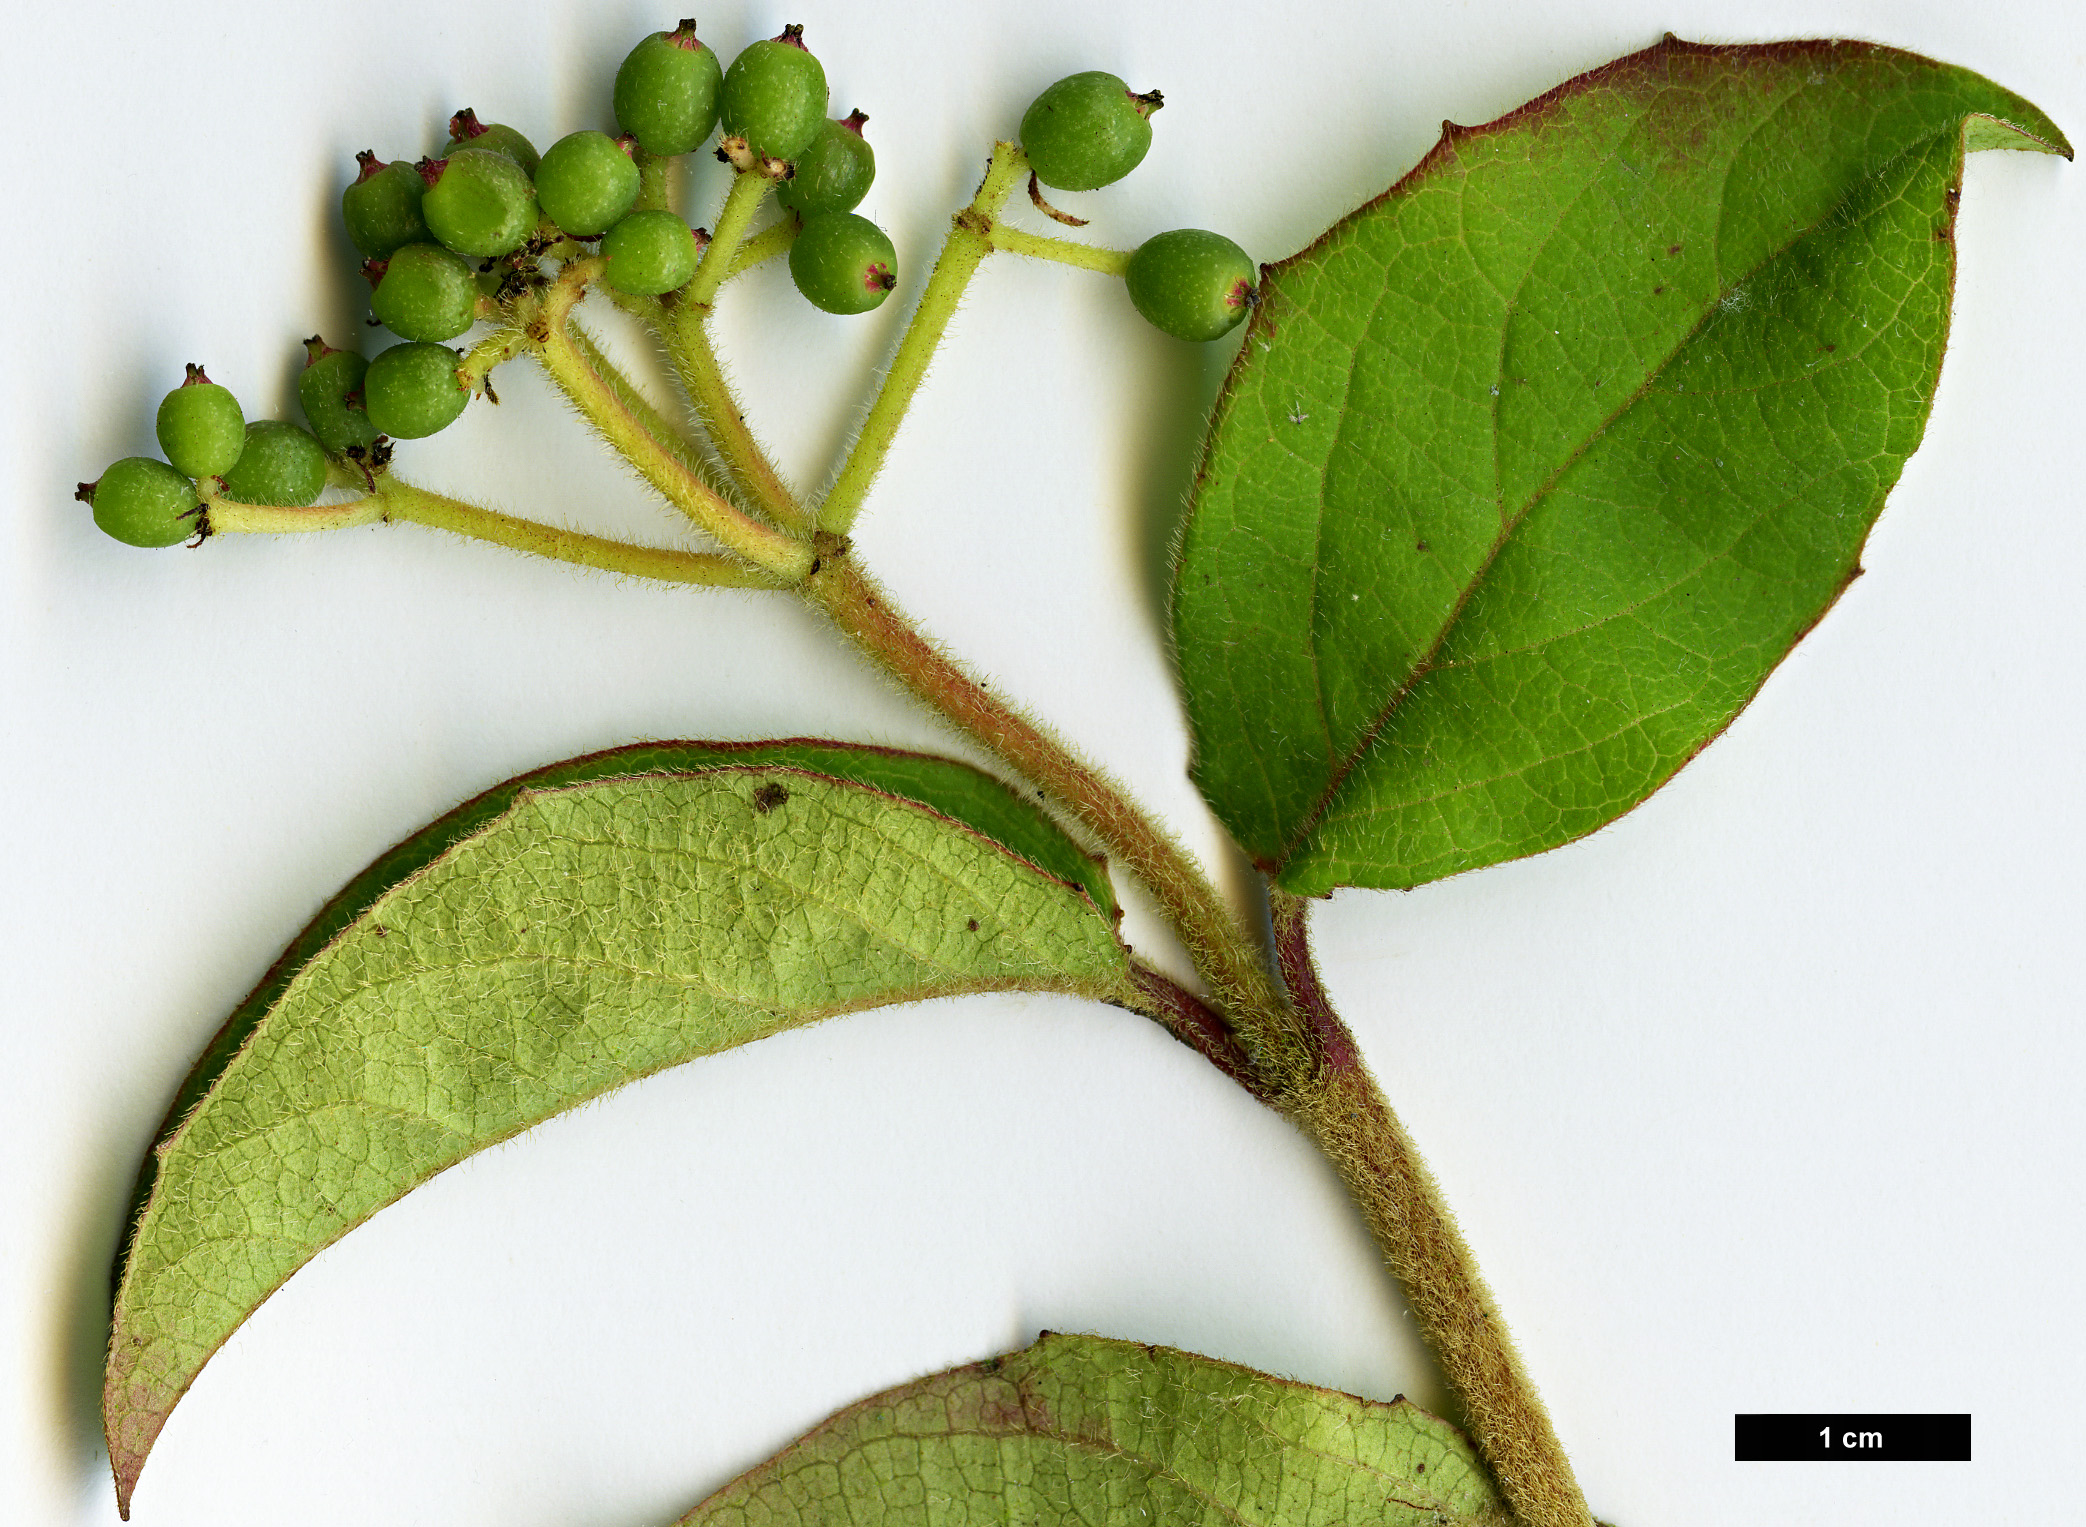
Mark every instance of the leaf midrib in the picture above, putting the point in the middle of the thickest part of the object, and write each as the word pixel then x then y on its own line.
pixel 1427 665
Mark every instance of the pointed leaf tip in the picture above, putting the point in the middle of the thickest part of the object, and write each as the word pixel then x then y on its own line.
pixel 1586 425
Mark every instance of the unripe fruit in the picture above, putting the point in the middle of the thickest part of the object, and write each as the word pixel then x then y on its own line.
pixel 478 202
pixel 843 263
pixel 382 207
pixel 466 131
pixel 775 96
pixel 330 378
pixel 281 464
pixel 1192 283
pixel 834 173
pixel 1088 131
pixel 650 253
pixel 200 427
pixel 424 292
pixel 666 92
pixel 142 502
pixel 412 390
pixel 587 181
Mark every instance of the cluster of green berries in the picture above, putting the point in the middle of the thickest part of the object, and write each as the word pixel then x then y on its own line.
pixel 445 238
pixel 1090 130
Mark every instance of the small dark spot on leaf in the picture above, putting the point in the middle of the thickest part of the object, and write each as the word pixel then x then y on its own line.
pixel 1942 235
pixel 768 797
pixel 1829 349
pixel 971 923
pixel 379 929
pixel 1673 249
pixel 1418 1467
pixel 1658 291
pixel 1419 546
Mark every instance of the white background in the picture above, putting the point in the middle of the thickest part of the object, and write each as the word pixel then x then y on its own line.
pixel 1763 1099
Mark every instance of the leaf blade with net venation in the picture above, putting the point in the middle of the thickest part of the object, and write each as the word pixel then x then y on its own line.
pixel 1470 416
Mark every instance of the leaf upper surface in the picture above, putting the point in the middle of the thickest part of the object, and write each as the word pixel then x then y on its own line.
pixel 1532 469
pixel 540 947
pixel 1082 1430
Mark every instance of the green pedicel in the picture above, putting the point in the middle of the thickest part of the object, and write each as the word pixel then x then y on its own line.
pixel 667 90
pixel 587 181
pixel 1088 131
pixel 281 464
pixel 412 391
pixel 843 263
pixel 775 96
pixel 1194 284
pixel 834 173
pixel 200 427
pixel 143 502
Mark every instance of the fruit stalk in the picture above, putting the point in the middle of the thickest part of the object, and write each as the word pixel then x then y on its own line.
pixel 968 244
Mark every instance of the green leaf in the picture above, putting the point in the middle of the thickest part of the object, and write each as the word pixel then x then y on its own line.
pixel 557 937
pixel 1079 1430
pixel 1531 470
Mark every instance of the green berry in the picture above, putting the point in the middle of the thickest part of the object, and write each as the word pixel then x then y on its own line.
pixel 650 253
pixel 412 390
pixel 666 91
pixel 142 502
pixel 586 183
pixel 281 464
pixel 843 263
pixel 775 96
pixel 478 202
pixel 1192 283
pixel 834 173
pixel 200 427
pixel 424 292
pixel 466 131
pixel 331 378
pixel 1088 131
pixel 382 207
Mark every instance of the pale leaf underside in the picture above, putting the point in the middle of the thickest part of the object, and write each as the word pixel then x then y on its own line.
pixel 578 937
pixel 1077 1430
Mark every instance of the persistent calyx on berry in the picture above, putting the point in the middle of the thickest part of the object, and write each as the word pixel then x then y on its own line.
pixel 382 208
pixel 775 96
pixel 478 202
pixel 667 90
pixel 142 502
pixel 1194 284
pixel 200 427
pixel 466 131
pixel 843 263
pixel 330 392
pixel 1088 131
pixel 834 173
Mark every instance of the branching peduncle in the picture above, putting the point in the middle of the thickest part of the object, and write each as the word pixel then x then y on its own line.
pixel 1040 246
pixel 963 251
pixel 766 245
pixel 1349 1120
pixel 400 502
pixel 775 551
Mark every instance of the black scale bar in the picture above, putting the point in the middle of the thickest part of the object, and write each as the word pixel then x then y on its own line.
pixel 1852 1438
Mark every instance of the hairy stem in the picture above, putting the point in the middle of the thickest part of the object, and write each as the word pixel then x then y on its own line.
pixel 766 245
pixel 398 501
pixel 740 205
pixel 766 547
pixel 1350 1121
pixel 968 244
pixel 667 431
pixel 1276 1048
pixel 1109 262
